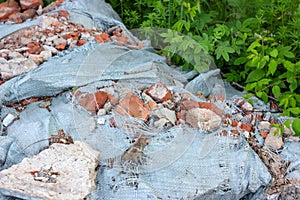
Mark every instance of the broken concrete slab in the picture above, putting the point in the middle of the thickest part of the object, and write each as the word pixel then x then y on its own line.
pixel 60 172
pixel 274 141
pixel 203 119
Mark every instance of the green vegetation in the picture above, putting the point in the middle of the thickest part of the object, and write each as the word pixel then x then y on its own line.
pixel 47 2
pixel 254 43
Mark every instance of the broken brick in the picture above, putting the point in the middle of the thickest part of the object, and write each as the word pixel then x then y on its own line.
pixel 81 42
pixel 92 102
pixel 61 46
pixel 159 92
pixel 132 106
pixel 246 127
pixel 189 104
pixel 211 107
pixel 34 4
pixel 63 13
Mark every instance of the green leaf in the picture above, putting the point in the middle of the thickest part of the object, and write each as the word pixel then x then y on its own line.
pixel 198 49
pixel 240 42
pixel 264 97
pixel 275 125
pixel 284 51
pixel 225 56
pixel 261 63
pixel 281 129
pixel 284 102
pixel 229 49
pixel 253 45
pixel 274 53
pixel 296 127
pixel 276 91
pixel 289 65
pixel 272 67
pixel 187 25
pixel 259 94
pixel 251 101
pixel 297 97
pixel 287 123
pixel 247 96
pixel 250 86
pixel 288 54
pixel 277 131
pixel 183 45
pixel 295 111
pixel 264 81
pixel 292 102
pixel 255 75
pixel 293 85
pixel 240 60
pixel 255 60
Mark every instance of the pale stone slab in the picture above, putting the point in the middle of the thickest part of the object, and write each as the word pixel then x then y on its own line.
pixel 72 168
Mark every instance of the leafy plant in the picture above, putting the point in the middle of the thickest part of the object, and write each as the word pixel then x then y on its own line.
pixel 296 127
pixel 254 43
pixel 47 2
pixel 189 49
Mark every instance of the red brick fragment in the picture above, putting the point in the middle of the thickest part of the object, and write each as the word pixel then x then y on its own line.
pixel 112 122
pixel 28 101
pixel 185 96
pixel 211 107
pixel 122 39
pixel 105 37
pixel 74 35
pixel 55 24
pixel 7 9
pixel 259 117
pixel 81 42
pixel 98 38
pixel 181 115
pixel 113 100
pixel 15 18
pixel 34 48
pixel 140 45
pixel 223 133
pixel 92 102
pixel 246 127
pixel 189 104
pixel 58 30
pixel 234 132
pixel 61 46
pixel 59 2
pixel 54 16
pixel 152 104
pixel 28 4
pixel 264 134
pixel 132 106
pixel 234 123
pixel 63 13
pixel 50 32
pixel 159 92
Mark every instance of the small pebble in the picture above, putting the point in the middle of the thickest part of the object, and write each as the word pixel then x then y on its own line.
pixel 8 119
pixel 101 112
pixel 101 121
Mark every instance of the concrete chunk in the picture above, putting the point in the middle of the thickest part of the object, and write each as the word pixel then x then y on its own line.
pixel 60 172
